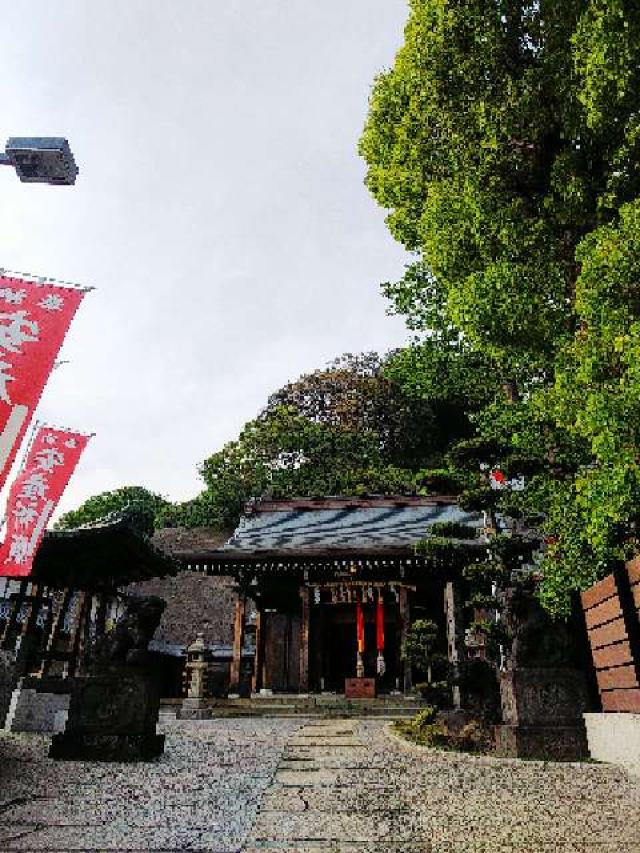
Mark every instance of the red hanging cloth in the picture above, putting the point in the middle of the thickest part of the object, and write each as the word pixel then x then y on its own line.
pixel 359 624
pixel 380 623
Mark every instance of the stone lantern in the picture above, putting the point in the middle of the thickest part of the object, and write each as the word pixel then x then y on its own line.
pixel 194 705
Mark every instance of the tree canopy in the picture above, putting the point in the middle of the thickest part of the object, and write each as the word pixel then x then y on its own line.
pixel 346 429
pixel 99 506
pixel 504 143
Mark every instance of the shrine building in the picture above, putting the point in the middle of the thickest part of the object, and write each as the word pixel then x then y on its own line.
pixel 327 589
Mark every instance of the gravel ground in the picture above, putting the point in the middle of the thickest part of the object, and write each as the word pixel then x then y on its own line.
pixel 310 785
pixel 202 795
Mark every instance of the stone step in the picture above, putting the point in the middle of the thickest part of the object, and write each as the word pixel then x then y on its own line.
pixel 312 713
pixel 300 705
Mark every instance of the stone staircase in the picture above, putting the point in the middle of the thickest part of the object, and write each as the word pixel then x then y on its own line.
pixel 322 705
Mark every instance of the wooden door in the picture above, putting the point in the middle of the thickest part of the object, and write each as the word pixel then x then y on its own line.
pixel 282 652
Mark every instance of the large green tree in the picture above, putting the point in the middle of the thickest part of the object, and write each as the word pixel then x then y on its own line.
pixel 346 429
pixel 505 134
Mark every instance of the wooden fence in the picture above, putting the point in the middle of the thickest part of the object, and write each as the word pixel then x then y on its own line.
pixel 612 616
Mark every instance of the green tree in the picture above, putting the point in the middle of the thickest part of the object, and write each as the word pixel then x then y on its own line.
pixel 354 393
pixel 420 645
pixel 347 429
pixel 593 516
pixel 99 506
pixel 505 142
pixel 496 143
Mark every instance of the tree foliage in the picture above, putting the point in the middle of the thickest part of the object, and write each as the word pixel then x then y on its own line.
pixel 504 142
pixel 344 430
pixel 100 506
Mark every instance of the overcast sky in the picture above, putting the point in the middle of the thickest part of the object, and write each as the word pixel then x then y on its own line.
pixel 220 212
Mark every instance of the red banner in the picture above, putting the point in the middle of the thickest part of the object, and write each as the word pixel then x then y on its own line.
pixel 34 319
pixel 380 623
pixel 359 624
pixel 34 495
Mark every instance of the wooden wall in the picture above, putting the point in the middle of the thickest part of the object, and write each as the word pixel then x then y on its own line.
pixel 612 615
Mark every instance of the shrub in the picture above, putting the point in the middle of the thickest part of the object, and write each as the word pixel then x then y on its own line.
pixel 438 692
pixel 427 728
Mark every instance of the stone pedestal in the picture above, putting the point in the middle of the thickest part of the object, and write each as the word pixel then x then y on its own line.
pixel 542 712
pixel 194 709
pixel 112 717
pixel 550 743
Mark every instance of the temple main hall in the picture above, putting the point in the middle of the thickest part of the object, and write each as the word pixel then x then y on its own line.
pixel 327 589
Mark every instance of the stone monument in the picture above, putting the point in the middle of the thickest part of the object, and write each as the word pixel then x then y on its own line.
pixel 543 692
pixel 114 705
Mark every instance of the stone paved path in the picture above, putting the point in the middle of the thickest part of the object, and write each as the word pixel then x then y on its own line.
pixel 353 785
pixel 250 785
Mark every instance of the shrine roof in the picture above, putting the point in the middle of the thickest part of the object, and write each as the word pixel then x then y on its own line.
pixel 335 527
pixel 106 554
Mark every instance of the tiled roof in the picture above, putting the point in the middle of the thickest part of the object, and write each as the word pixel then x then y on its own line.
pixel 342 525
pixel 106 554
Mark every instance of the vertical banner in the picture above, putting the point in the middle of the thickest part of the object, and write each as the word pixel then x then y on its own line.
pixel 50 462
pixel 34 319
pixel 359 625
pixel 380 622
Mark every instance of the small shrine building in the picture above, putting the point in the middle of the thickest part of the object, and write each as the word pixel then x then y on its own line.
pixel 329 588
pixel 73 596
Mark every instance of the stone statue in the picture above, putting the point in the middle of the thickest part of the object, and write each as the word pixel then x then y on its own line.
pixel 538 641
pixel 128 642
pixel 542 691
pixel 114 705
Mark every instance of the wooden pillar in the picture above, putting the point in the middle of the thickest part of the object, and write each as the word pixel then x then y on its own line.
pixel 238 643
pixel 77 634
pixel 85 634
pixel 405 624
pixel 101 614
pixel 258 661
pixel 318 646
pixel 28 627
pixel 305 600
pixel 56 630
pixel 455 634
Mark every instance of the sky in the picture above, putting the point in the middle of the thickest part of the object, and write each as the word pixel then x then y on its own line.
pixel 220 212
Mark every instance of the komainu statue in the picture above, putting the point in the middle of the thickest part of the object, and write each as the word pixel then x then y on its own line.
pixel 128 642
pixel 114 705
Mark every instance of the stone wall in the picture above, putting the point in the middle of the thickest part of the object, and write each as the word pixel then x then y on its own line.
pixel 195 601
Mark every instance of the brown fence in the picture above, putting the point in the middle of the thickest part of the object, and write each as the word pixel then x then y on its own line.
pixel 612 616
